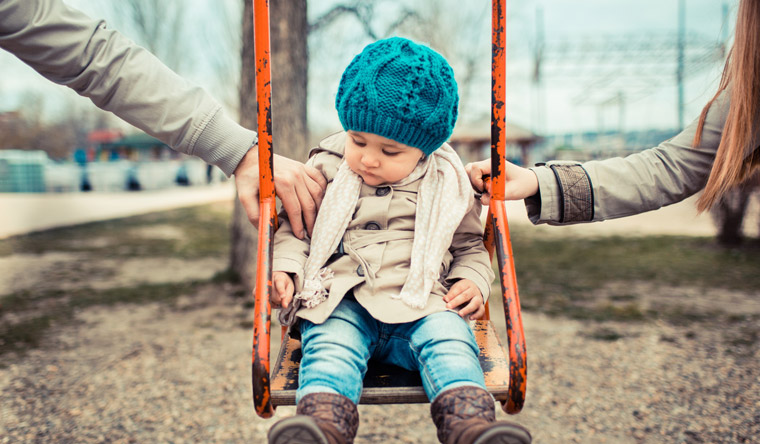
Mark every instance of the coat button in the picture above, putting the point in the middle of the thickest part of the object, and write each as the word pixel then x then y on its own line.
pixel 360 271
pixel 382 191
pixel 372 226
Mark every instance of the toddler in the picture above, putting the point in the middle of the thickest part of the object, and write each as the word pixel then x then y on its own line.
pixel 396 260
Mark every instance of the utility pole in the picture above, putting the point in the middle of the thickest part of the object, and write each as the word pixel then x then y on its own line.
pixel 539 98
pixel 680 67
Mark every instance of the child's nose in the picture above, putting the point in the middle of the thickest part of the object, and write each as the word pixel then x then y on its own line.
pixel 369 160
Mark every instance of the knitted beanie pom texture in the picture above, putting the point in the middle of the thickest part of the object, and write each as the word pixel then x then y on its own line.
pixel 401 90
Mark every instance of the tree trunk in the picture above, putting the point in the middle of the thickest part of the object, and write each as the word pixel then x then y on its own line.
pixel 290 63
pixel 288 39
pixel 728 215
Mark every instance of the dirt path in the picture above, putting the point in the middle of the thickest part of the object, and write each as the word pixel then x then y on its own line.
pixel 180 372
pixel 154 373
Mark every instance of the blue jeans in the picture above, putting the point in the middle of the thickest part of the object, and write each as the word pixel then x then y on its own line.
pixel 440 346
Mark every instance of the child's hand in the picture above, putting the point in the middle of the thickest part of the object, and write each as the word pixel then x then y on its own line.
pixel 465 295
pixel 283 289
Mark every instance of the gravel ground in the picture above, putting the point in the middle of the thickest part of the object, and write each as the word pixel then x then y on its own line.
pixel 181 374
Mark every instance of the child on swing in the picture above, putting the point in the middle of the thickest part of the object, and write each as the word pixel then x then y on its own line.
pixel 396 260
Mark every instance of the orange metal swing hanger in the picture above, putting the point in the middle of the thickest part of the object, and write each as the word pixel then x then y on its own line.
pixel 267 213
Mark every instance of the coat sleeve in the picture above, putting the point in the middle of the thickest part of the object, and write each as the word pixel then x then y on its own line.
pixel 470 257
pixel 290 252
pixel 69 48
pixel 571 192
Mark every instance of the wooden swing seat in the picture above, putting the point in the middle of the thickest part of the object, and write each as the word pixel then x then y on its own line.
pixel 389 384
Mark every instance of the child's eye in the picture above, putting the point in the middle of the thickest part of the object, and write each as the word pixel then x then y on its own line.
pixel 359 144
pixel 390 153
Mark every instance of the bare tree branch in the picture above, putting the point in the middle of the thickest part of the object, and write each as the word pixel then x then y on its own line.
pixel 363 11
pixel 406 14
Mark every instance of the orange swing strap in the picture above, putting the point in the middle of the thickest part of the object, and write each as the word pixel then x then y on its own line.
pixel 496 224
pixel 262 311
pixel 510 378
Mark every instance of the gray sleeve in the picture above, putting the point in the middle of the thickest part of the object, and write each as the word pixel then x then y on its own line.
pixel 71 49
pixel 571 192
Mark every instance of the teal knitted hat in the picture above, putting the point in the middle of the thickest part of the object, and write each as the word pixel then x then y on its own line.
pixel 401 90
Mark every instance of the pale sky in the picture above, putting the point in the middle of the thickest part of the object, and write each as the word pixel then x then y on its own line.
pixel 571 103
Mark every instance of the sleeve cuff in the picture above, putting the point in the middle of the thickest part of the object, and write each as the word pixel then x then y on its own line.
pixel 544 207
pixel 223 143
pixel 577 199
pixel 565 195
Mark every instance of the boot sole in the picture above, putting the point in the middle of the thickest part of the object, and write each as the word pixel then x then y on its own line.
pixel 505 433
pixel 296 430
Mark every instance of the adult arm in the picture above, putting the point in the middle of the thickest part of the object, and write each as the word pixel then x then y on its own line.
pixel 571 192
pixel 69 48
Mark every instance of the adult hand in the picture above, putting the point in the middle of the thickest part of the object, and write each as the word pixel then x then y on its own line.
pixel 247 184
pixel 299 187
pixel 521 182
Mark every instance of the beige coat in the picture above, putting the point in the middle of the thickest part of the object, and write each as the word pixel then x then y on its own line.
pixel 378 245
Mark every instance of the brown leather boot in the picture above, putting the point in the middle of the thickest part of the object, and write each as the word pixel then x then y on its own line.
pixel 466 415
pixel 321 418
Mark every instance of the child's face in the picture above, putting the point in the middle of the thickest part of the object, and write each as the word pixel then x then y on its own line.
pixel 379 160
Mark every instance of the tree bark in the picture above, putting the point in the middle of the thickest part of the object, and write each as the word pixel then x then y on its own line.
pixel 288 40
pixel 290 63
pixel 728 215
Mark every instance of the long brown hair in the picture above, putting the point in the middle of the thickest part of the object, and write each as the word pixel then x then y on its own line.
pixel 741 73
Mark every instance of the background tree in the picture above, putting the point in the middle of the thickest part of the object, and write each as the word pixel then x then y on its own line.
pixel 159 25
pixel 730 211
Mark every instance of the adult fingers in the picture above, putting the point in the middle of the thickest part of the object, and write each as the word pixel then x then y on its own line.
pixel 292 207
pixel 247 184
pixel 250 205
pixel 308 205
pixel 476 176
pixel 317 183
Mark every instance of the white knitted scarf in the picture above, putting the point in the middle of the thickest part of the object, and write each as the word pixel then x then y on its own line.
pixel 443 199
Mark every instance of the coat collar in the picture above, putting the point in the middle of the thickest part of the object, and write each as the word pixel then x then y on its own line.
pixel 334 144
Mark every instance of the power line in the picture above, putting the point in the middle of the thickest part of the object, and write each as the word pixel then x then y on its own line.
pixel 619 68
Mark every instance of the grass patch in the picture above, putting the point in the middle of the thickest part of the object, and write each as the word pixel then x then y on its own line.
pixel 186 233
pixel 38 312
pixel 575 265
pixel 562 277
pixel 21 336
pixel 605 334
